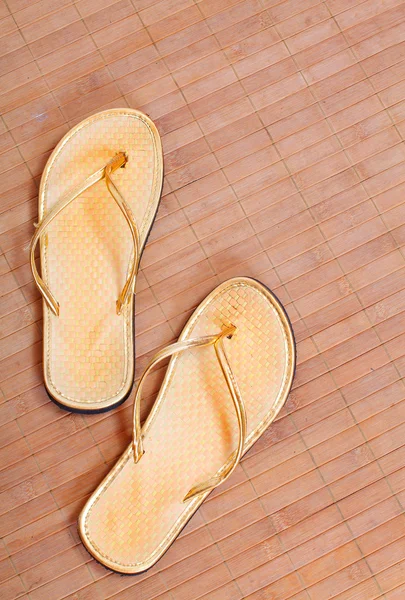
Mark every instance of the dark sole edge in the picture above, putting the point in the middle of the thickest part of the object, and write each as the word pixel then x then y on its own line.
pixel 189 519
pixel 84 411
pixel 291 327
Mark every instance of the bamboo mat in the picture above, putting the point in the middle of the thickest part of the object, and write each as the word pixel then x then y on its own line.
pixel 283 126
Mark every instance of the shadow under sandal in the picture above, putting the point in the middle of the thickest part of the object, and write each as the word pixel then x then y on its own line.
pixel 229 374
pixel 98 197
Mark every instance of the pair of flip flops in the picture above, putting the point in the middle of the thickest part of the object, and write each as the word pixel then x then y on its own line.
pixel 229 372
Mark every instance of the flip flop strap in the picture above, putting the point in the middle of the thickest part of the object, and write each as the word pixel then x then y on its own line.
pixel 105 172
pixel 217 342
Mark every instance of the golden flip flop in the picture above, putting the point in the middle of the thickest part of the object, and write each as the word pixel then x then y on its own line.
pixel 229 374
pixel 98 197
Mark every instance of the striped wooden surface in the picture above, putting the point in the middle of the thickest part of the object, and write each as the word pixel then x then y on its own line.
pixel 283 125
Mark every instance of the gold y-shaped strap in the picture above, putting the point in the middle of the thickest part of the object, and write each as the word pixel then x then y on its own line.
pixel 217 342
pixel 104 173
